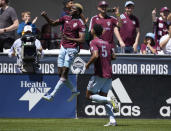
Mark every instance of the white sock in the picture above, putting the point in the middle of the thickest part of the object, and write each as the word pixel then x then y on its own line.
pixel 99 98
pixel 69 85
pixel 109 111
pixel 58 86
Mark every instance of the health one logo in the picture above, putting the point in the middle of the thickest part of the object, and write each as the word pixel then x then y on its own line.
pixel 35 92
pixel 126 107
pixel 165 111
pixel 78 66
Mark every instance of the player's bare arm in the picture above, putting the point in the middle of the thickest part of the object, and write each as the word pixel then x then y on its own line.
pixel 50 21
pixel 79 40
pixel 92 59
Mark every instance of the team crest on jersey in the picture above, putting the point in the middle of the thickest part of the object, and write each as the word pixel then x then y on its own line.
pixel 161 25
pixel 78 66
pixel 75 24
pixel 108 23
pixel 124 21
pixel 134 22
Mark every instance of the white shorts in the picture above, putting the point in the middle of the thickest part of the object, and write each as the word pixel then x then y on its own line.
pixel 98 84
pixel 66 56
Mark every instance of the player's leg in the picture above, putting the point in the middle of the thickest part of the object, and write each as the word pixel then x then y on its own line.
pixel 69 58
pixel 62 79
pixel 61 58
pixel 110 105
pixel 95 84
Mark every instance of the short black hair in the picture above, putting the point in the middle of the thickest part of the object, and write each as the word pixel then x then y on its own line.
pixel 66 1
pixel 98 29
pixel 168 26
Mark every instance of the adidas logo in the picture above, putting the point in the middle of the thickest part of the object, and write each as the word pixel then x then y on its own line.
pixel 165 111
pixel 126 107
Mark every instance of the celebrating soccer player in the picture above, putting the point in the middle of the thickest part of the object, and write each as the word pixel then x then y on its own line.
pixel 99 84
pixel 73 35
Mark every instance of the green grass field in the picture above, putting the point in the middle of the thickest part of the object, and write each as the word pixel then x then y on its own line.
pixel 84 125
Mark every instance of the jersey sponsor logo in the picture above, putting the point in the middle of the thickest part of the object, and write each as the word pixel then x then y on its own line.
pixel 35 92
pixel 134 22
pixel 126 107
pixel 124 21
pixel 108 23
pixel 165 111
pixel 78 66
pixel 75 25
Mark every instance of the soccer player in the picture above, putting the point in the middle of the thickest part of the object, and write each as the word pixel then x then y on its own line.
pixel 100 83
pixel 109 23
pixel 73 35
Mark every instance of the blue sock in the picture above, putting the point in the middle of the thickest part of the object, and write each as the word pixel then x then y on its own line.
pixel 58 86
pixel 99 99
pixel 109 111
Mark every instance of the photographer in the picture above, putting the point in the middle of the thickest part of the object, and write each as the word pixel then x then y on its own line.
pixel 27 49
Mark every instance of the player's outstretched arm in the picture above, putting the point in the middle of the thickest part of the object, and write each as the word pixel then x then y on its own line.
pixel 50 21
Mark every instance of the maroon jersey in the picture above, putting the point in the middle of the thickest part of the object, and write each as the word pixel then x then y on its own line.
pixel 72 27
pixel 108 25
pixel 128 29
pixel 160 29
pixel 102 66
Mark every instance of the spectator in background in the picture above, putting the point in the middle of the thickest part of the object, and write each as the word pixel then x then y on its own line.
pixel 67 7
pixel 165 41
pixel 8 23
pixel 160 24
pixel 26 17
pixel 109 23
pixel 130 29
pixel 149 47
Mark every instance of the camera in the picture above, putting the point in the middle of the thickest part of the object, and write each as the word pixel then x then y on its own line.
pixel 29 53
pixel 111 10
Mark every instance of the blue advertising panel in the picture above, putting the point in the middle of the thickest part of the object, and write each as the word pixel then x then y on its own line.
pixel 21 97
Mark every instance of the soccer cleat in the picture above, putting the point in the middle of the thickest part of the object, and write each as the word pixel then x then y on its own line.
pixel 74 94
pixel 48 97
pixel 115 105
pixel 110 124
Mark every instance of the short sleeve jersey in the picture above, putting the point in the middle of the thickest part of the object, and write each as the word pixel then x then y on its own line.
pixel 108 23
pixel 72 28
pixel 102 66
pixel 128 29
